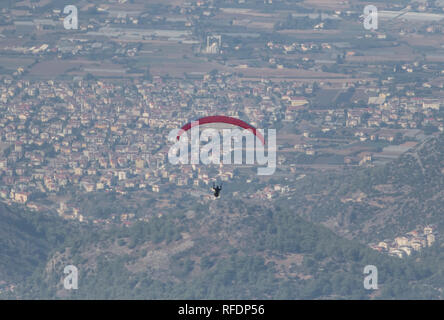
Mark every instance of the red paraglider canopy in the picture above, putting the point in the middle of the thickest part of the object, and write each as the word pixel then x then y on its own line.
pixel 222 119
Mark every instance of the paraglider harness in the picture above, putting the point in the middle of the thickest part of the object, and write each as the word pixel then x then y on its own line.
pixel 217 190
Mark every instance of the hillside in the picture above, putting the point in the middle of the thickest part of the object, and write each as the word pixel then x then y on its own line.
pixel 372 204
pixel 259 254
pixel 21 246
pixel 299 248
pixel 26 242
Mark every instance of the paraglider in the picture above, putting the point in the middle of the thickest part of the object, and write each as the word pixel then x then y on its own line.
pixel 222 119
pixel 220 148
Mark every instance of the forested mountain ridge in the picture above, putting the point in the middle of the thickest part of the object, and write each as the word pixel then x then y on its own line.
pixel 21 247
pixel 262 253
pixel 26 242
pixel 27 239
pixel 284 249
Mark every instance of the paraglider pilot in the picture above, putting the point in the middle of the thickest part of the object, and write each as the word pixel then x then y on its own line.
pixel 217 190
